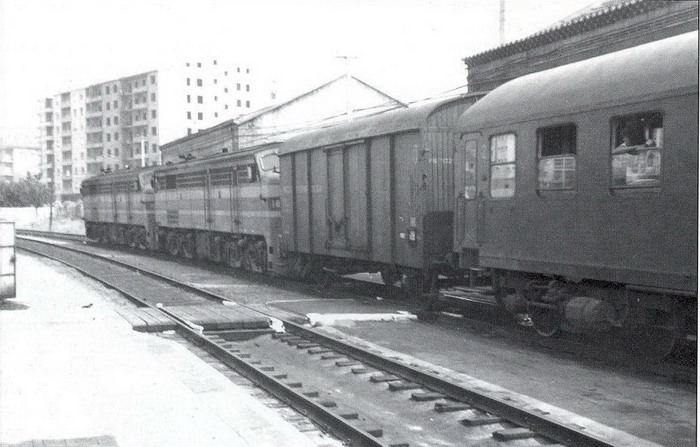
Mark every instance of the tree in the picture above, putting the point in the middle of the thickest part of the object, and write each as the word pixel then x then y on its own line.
pixel 26 192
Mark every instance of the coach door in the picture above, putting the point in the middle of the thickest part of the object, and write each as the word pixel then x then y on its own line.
pixel 336 219
pixel 115 211
pixel 129 195
pixel 468 199
pixel 208 212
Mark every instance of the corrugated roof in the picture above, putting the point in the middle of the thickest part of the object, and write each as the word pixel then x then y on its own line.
pixel 586 20
pixel 652 70
pixel 251 116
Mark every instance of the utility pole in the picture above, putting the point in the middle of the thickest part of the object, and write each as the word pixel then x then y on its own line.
pixel 348 107
pixel 143 153
pixel 502 24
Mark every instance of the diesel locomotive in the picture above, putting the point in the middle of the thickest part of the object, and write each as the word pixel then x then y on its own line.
pixel 574 190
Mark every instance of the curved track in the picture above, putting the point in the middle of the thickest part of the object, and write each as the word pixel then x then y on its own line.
pixel 463 412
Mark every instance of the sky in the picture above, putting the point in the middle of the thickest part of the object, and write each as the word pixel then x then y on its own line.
pixel 410 49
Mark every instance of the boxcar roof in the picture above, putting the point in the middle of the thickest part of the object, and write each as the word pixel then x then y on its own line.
pixel 392 121
pixel 648 71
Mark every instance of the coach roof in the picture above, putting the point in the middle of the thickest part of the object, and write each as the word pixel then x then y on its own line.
pixel 389 122
pixel 652 70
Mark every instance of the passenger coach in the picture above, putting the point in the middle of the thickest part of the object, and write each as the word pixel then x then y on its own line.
pixel 578 186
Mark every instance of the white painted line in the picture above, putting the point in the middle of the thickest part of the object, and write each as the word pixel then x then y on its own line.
pixel 331 319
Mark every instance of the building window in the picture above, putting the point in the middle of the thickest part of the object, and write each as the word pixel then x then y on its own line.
pixel 48 103
pixel 200 116
pixel 109 152
pixel 107 88
pixel 200 100
pixel 188 81
pixel 187 64
pixel 238 86
pixel 143 82
pixel 214 61
pixel 503 165
pixel 116 120
pixel 107 105
pixel 189 115
pixel 238 103
pixel 154 147
pixel 153 97
pixel 189 131
pixel 216 81
pixel 189 99
pixel 116 136
pixel 556 148
pixel 226 106
pixel 109 137
pixel 116 151
pixel 216 98
pixel 199 82
pixel 247 70
pixel 116 104
pixel 225 90
pixel 247 104
pixel 225 74
pixel 109 122
pixel 114 88
pixel 247 87
pixel 153 113
pixel 238 69
pixel 154 131
pixel 216 114
pixel 153 79
pixel 638 142
pixel 199 65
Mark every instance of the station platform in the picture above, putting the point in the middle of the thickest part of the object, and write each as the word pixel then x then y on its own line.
pixel 74 373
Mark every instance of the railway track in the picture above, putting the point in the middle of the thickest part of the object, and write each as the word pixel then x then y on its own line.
pixel 358 395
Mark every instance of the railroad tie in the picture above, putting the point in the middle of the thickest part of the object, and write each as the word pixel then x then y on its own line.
pixel 425 396
pixel 403 386
pixel 485 419
pixel 511 434
pixel 448 407
pixel 384 378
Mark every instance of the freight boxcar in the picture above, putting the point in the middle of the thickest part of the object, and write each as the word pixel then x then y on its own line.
pixel 225 208
pixel 578 186
pixel 374 194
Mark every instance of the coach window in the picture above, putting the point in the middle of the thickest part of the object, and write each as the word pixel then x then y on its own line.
pixel 637 146
pixel 170 182
pixel 246 174
pixel 556 148
pixel 503 165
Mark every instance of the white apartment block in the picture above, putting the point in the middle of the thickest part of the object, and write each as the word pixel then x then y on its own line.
pixel 18 162
pixel 121 123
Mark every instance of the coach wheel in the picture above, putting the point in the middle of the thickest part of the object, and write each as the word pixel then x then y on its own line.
pixel 413 284
pixel 255 256
pixel 187 246
pixel 390 276
pixel 546 321
pixel 172 244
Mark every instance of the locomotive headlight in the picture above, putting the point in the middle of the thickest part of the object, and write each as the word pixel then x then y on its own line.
pixel 412 235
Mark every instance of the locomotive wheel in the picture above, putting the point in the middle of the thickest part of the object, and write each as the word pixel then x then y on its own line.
pixel 187 246
pixel 131 237
pixel 172 244
pixel 142 239
pixel 255 257
pixel 412 285
pixel 547 322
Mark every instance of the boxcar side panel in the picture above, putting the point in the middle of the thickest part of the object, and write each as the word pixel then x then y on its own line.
pixel 380 211
pixel 408 200
pixel 301 211
pixel 356 195
pixel 318 199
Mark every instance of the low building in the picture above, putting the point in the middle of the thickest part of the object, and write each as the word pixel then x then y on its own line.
pixel 601 28
pixel 339 100
pixel 19 162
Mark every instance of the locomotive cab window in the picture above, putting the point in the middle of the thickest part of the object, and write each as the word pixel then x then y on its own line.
pixel 556 148
pixel 637 146
pixel 502 165
pixel 246 174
